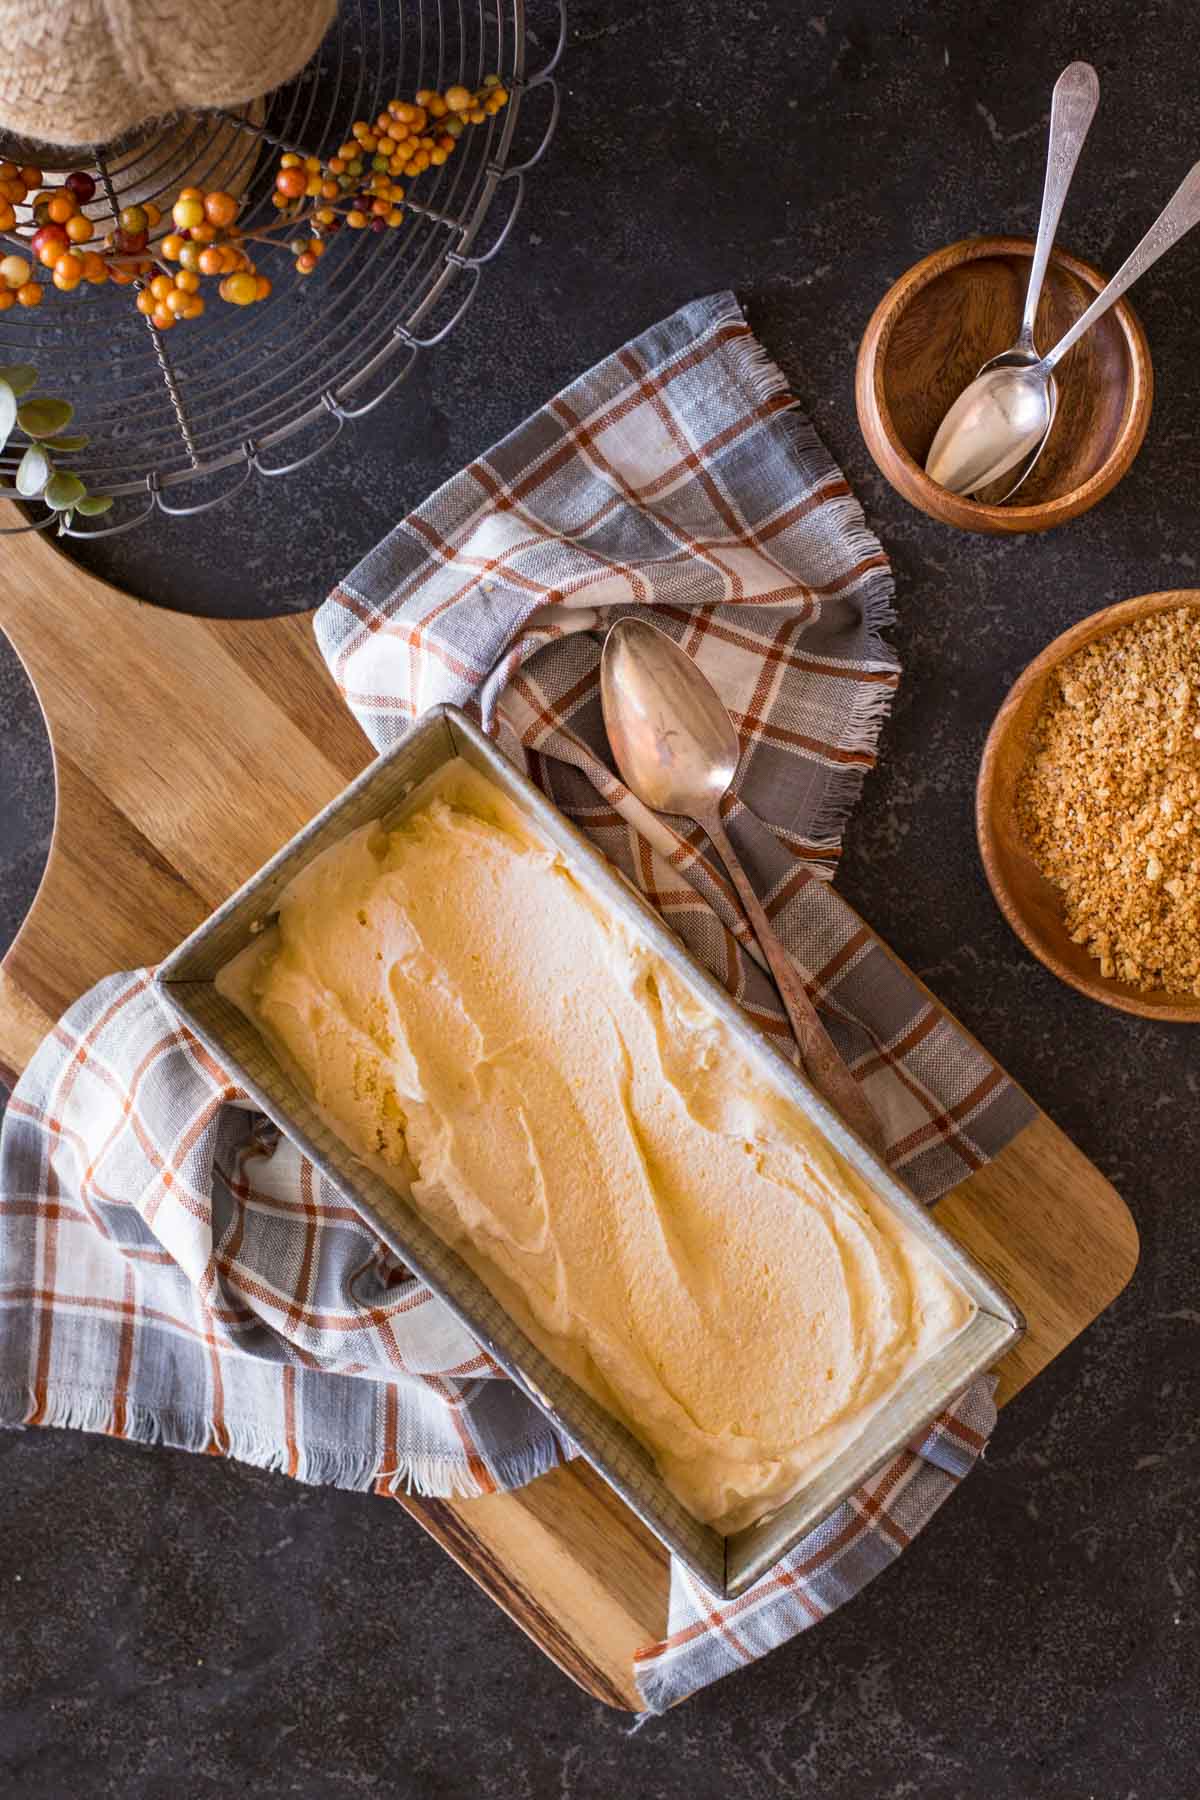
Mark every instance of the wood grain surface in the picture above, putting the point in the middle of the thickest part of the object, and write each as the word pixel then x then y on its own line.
pixel 936 327
pixel 1032 904
pixel 186 751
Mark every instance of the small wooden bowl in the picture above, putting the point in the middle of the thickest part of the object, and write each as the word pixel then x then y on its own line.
pixel 928 338
pixel 1031 904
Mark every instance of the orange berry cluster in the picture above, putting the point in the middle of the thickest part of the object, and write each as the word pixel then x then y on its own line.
pixel 303 178
pixel 361 185
pixel 17 286
pixel 15 186
pixel 205 240
pixel 62 229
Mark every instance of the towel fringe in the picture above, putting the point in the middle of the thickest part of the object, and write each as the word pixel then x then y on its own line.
pixel 433 1477
pixel 758 370
pixel 765 381
pixel 445 1477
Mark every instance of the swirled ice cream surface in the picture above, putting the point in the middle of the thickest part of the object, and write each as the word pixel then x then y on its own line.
pixel 577 1123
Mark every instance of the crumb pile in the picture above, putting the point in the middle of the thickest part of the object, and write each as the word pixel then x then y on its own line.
pixel 1109 801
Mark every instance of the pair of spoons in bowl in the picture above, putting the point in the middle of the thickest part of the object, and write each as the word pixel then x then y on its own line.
pixel 1000 423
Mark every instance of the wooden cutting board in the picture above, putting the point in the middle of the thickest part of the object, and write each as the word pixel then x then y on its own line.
pixel 186 751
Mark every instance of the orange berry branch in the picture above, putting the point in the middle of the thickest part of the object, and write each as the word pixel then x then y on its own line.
pixel 361 188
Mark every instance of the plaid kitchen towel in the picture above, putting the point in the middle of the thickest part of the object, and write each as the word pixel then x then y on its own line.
pixel 173 1271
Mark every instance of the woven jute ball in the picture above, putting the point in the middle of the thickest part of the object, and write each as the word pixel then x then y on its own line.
pixel 88 71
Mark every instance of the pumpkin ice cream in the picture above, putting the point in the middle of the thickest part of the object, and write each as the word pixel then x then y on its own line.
pixel 586 1133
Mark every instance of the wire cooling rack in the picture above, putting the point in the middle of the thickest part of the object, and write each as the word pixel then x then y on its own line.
pixel 177 423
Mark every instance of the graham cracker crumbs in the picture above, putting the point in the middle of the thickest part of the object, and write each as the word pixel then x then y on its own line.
pixel 1109 800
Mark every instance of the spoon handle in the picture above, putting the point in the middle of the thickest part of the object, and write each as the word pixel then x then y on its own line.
pixel 1181 212
pixel 1072 109
pixel 824 1066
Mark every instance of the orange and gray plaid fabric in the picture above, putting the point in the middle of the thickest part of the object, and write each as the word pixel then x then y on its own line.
pixel 173 1271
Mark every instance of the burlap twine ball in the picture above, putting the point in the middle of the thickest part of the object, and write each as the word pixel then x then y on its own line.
pixel 88 71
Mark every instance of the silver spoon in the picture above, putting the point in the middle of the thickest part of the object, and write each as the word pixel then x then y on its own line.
pixel 1072 108
pixel 677 751
pixel 1005 412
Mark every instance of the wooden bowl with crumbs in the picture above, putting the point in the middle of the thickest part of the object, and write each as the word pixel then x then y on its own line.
pixel 1085 770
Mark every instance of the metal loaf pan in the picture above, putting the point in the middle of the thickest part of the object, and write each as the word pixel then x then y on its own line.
pixel 726 1565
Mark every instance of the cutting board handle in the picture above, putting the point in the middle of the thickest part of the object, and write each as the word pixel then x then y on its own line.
pixel 185 750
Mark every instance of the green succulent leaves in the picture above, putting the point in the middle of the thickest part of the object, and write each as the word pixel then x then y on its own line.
pixel 64 490
pixel 42 417
pixel 20 377
pixel 33 472
pixel 43 420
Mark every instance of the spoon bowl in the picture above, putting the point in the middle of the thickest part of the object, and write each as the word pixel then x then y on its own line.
pixel 996 425
pixel 996 493
pixel 674 741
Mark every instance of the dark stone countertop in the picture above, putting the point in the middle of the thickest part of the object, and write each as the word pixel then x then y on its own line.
pixel 178 1626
